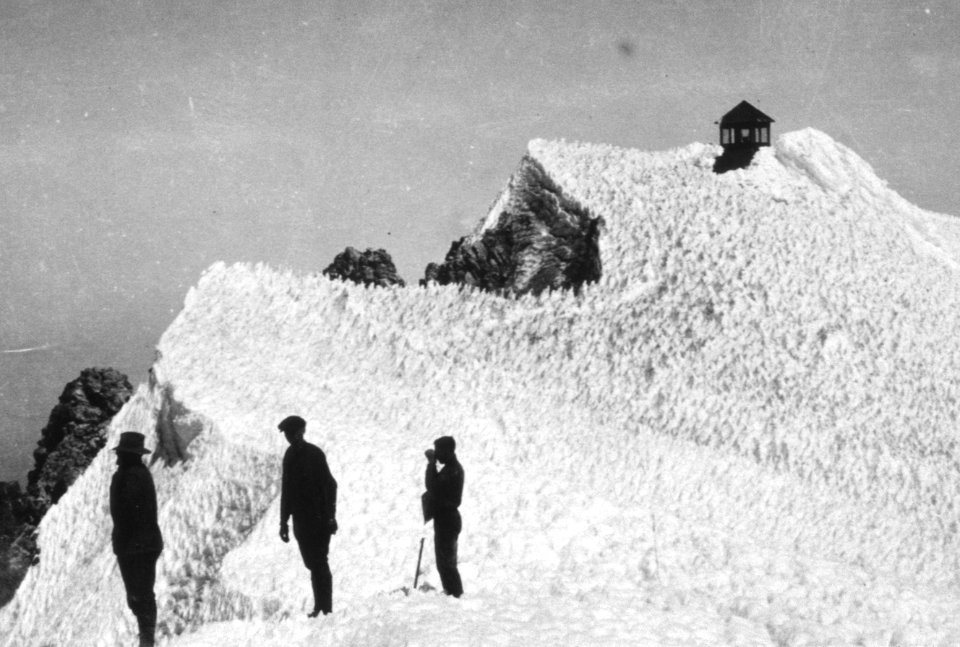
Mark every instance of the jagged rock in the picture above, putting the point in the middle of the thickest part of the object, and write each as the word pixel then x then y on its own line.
pixel 541 239
pixel 11 498
pixel 75 433
pixel 17 541
pixel 371 267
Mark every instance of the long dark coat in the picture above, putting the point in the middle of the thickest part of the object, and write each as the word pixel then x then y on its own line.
pixel 444 493
pixel 133 507
pixel 309 491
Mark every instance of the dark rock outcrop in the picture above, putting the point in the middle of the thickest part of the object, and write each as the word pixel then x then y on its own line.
pixel 75 433
pixel 372 267
pixel 17 540
pixel 542 239
pixel 734 158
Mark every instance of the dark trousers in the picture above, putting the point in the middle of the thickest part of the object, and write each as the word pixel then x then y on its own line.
pixel 314 549
pixel 445 537
pixel 139 572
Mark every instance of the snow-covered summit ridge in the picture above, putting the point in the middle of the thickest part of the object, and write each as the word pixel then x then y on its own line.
pixel 798 161
pixel 744 434
pixel 833 166
pixel 840 171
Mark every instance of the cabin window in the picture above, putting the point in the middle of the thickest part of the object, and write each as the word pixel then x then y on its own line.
pixel 724 136
pixel 745 134
pixel 764 136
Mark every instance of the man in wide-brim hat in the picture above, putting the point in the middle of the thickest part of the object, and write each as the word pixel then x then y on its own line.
pixel 137 541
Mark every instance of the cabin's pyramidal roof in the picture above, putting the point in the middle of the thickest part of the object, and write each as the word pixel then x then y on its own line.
pixel 745 112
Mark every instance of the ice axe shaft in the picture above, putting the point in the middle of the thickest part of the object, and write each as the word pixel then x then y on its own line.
pixel 416 576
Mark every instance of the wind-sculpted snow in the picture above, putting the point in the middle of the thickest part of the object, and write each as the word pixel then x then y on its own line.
pixel 743 434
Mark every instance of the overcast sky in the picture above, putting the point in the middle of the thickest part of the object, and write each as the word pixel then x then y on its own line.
pixel 142 141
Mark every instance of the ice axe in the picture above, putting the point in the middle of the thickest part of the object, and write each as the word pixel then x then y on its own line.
pixel 416 576
pixel 426 507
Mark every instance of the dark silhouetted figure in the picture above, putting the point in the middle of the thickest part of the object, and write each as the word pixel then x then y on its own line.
pixel 309 495
pixel 137 541
pixel 440 502
pixel 743 131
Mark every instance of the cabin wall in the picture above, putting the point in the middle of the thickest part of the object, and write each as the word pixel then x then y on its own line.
pixel 745 135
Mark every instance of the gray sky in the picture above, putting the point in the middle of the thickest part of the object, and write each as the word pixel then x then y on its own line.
pixel 142 141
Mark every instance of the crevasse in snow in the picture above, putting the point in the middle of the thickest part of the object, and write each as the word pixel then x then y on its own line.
pixel 744 434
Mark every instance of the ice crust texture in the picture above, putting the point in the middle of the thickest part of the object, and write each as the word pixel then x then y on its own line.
pixel 743 434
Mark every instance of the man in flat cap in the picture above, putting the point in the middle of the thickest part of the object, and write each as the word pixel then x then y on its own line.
pixel 309 495
pixel 440 502
pixel 136 538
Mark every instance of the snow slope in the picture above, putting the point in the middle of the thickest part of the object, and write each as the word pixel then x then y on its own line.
pixel 745 434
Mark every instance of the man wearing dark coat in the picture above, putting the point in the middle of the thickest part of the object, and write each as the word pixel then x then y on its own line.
pixel 136 538
pixel 309 495
pixel 441 500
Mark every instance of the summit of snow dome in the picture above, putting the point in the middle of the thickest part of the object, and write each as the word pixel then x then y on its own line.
pixel 743 434
pixel 831 165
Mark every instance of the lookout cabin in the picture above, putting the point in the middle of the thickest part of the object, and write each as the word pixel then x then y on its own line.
pixel 743 131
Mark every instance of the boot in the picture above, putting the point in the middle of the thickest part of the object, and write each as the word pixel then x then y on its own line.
pixel 148 627
pixel 146 638
pixel 322 591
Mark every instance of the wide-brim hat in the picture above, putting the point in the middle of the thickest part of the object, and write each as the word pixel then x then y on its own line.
pixel 131 442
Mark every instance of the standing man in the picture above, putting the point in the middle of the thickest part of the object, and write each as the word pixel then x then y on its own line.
pixel 137 541
pixel 444 492
pixel 309 494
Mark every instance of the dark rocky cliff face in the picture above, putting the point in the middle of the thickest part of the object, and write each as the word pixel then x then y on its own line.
pixel 734 158
pixel 75 433
pixel 542 240
pixel 371 267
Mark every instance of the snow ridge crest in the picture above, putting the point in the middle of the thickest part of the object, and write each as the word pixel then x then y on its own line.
pixel 742 434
